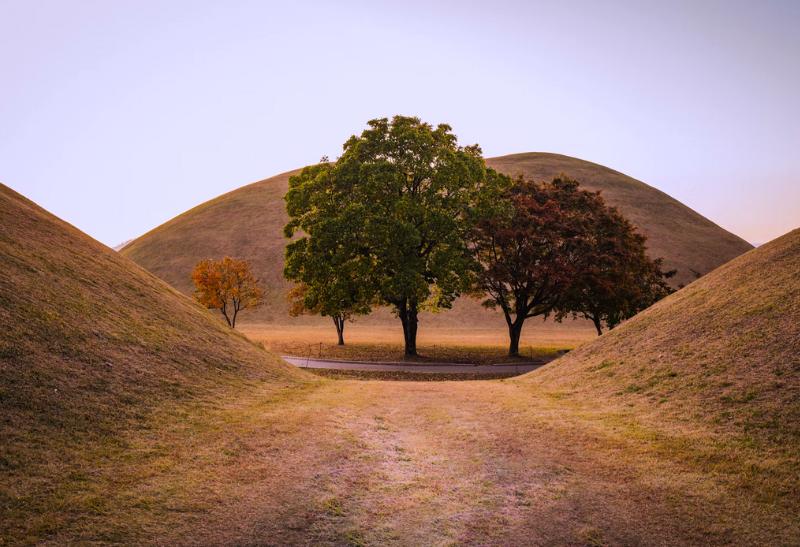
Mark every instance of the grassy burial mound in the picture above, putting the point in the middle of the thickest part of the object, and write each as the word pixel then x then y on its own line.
pixel 92 350
pixel 248 223
pixel 710 374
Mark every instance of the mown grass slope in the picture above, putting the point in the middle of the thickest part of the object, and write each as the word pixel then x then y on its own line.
pixel 91 348
pixel 248 223
pixel 711 373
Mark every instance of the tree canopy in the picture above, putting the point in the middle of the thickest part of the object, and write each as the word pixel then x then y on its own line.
pixel 227 285
pixel 331 277
pixel 406 217
pixel 617 279
pixel 528 252
pixel 391 215
pixel 553 248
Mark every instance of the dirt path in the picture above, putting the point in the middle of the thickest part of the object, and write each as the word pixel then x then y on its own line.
pixel 411 463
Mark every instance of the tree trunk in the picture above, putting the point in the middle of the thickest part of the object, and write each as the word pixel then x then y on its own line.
pixel 339 322
pixel 598 325
pixel 408 316
pixel 236 305
pixel 514 334
pixel 225 314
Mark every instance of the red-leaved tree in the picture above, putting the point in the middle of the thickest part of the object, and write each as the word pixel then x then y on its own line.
pixel 528 252
pixel 553 248
pixel 617 279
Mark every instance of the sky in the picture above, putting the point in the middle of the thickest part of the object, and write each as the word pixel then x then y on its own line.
pixel 118 115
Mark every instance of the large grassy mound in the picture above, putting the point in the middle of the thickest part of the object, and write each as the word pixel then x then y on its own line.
pixel 718 361
pixel 91 348
pixel 248 223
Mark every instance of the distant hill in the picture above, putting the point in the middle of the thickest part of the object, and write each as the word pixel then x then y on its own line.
pixel 121 245
pixel 720 357
pixel 90 346
pixel 248 223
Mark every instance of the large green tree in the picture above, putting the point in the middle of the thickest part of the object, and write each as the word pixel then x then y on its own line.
pixel 394 210
pixel 331 273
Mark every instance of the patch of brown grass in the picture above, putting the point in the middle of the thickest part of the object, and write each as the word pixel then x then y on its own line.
pixel 419 463
pixel 435 344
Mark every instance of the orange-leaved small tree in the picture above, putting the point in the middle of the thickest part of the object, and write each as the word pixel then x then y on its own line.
pixel 227 285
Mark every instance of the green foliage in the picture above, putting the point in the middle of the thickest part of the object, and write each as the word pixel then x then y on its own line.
pixel 387 222
pixel 329 272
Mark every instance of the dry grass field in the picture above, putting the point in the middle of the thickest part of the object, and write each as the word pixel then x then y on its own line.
pixel 131 416
pixel 248 223
pixel 408 463
pixel 365 342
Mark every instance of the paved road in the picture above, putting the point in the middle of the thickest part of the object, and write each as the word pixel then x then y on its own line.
pixel 432 368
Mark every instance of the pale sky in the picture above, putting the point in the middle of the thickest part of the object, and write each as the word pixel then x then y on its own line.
pixel 118 115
